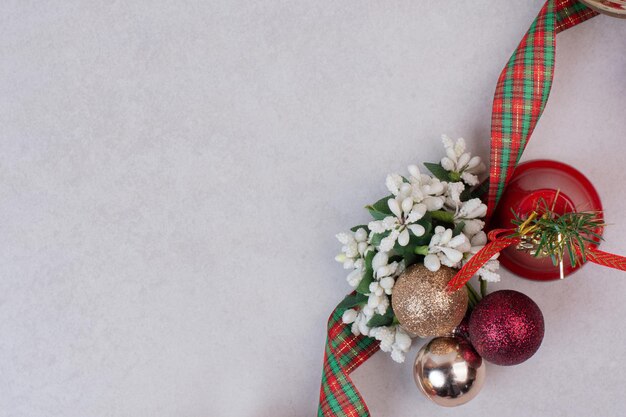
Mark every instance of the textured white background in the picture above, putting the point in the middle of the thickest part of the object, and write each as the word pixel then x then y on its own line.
pixel 172 175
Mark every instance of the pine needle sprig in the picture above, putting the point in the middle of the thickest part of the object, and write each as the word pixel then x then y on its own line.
pixel 546 233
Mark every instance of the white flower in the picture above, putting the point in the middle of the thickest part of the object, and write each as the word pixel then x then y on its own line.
pixel 384 280
pixel 405 214
pixel 466 211
pixel 359 320
pixel 471 209
pixel 472 226
pixel 377 298
pixel 426 189
pixel 420 187
pixel 386 336
pixel 396 185
pixel 385 273
pixel 445 249
pixel 349 316
pixel 488 271
pixel 453 194
pixel 463 210
pixel 460 163
pixel 401 345
pixel 380 259
pixel 398 355
pixel 355 277
pixel 393 339
pixel 354 247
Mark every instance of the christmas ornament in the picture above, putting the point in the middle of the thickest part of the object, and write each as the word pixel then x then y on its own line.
pixel 427 228
pixel 449 371
pixel 433 222
pixel 462 330
pixel 422 304
pixel 571 237
pixel 565 189
pixel 506 327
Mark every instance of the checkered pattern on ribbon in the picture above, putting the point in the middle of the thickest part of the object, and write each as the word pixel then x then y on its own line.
pixel 344 353
pixel 523 88
pixel 521 95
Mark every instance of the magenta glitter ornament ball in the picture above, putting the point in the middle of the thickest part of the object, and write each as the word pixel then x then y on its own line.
pixel 506 327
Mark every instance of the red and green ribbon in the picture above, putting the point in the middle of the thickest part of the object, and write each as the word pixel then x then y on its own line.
pixel 520 98
pixel 523 89
pixel 344 353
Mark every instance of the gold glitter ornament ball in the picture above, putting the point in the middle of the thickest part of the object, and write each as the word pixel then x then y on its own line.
pixel 422 305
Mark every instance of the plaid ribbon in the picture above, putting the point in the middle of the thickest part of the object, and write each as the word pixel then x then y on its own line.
pixel 523 88
pixel 520 97
pixel 344 353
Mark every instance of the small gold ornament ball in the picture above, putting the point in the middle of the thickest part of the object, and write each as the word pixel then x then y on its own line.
pixel 422 305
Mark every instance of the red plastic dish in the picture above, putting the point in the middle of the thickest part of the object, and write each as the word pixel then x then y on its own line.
pixel 532 181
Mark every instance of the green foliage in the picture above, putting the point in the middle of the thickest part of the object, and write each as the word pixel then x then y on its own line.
pixel 380 209
pixel 443 216
pixel 466 194
pixel 382 319
pixel 438 171
pixel 556 235
pixel 353 300
pixel 458 228
pixel 478 191
pixel 368 277
pixel 377 237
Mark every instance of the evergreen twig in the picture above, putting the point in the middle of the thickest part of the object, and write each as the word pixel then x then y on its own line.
pixel 553 235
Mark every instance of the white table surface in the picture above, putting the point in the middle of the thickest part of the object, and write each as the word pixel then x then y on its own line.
pixel 172 174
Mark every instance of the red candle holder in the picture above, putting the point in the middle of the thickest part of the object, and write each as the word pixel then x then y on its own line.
pixel 550 181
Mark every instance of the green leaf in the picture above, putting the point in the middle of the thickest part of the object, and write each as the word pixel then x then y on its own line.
pixel 466 194
pixel 380 209
pixel 382 319
pixel 438 171
pixel 443 216
pixel 480 190
pixel 352 300
pixel 362 226
pixel 395 258
pixel 411 258
pixel 377 237
pixel 458 228
pixel 368 277
pixel 414 241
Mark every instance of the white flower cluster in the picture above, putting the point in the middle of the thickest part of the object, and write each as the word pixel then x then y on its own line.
pixel 354 247
pixel 409 223
pixel 460 163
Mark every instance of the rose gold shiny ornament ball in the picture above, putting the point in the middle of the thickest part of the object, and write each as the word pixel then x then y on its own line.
pixel 449 371
pixel 422 305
